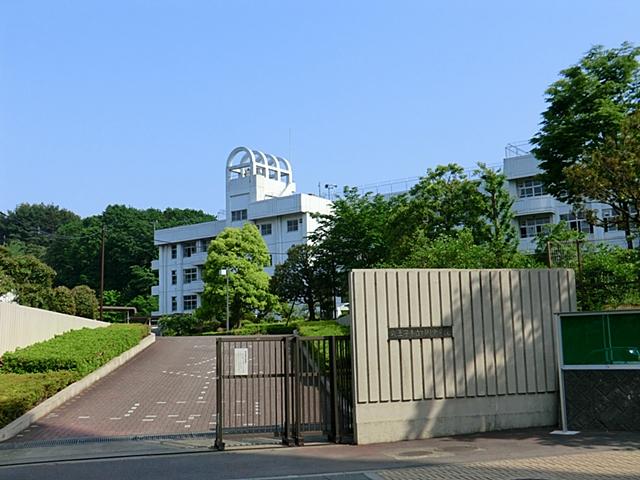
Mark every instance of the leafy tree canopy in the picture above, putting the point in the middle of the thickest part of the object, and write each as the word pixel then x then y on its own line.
pixel 585 106
pixel 243 254
pixel 33 223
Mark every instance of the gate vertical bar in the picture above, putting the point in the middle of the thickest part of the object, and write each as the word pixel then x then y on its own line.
pixel 219 443
pixel 333 381
pixel 286 434
pixel 297 386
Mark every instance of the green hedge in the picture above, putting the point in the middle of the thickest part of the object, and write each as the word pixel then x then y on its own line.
pixel 81 351
pixel 276 328
pixel 20 393
pixel 323 328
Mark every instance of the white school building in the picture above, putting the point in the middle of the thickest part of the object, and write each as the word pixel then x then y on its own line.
pixel 260 189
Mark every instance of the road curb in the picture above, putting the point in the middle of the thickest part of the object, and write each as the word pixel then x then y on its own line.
pixel 72 390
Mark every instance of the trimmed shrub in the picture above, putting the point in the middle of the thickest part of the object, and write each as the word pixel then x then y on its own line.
pixel 181 324
pixel 62 301
pixel 81 351
pixel 20 393
pixel 86 302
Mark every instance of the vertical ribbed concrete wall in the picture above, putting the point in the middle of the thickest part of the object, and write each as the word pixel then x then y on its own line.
pixel 497 371
pixel 22 326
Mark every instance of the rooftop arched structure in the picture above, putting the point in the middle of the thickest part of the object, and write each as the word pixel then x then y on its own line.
pixel 243 161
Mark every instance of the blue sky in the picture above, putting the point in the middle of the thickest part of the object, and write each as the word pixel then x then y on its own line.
pixel 139 102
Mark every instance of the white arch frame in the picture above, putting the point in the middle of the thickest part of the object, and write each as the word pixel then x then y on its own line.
pixel 255 162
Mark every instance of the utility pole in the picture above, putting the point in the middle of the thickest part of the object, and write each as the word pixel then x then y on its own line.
pixel 102 273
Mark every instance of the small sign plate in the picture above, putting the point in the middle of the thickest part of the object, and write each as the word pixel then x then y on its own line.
pixel 241 361
pixel 410 333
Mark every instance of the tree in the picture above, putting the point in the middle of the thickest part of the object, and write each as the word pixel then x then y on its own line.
pixel 585 106
pixel 502 235
pixel 31 278
pixel 63 301
pixel 243 254
pixel 443 202
pixel 33 224
pixel 86 302
pixel 296 280
pixel 612 176
pixel 75 251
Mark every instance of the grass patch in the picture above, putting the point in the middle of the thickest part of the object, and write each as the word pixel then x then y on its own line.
pixel 81 351
pixel 20 393
pixel 322 328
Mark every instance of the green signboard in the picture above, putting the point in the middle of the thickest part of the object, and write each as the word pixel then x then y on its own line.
pixel 603 338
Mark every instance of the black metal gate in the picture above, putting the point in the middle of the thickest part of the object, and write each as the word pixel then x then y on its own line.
pixel 287 385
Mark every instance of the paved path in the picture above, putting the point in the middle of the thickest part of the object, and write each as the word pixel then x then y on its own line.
pixel 169 388
pixel 514 455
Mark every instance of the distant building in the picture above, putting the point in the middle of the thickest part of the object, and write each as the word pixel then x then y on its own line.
pixel 259 189
pixel 534 207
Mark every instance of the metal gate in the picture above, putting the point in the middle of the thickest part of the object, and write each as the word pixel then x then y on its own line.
pixel 287 385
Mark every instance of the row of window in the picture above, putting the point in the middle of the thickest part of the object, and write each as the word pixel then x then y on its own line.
pixel 292 226
pixel 530 187
pixel 188 275
pixel 189 302
pixel 533 225
pixel 191 248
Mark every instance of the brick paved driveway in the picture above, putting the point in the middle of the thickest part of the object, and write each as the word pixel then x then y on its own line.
pixel 169 388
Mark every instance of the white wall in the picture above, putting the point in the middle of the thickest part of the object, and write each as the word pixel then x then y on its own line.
pixel 22 326
pixel 497 371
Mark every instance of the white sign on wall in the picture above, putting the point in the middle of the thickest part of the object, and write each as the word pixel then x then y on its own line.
pixel 241 361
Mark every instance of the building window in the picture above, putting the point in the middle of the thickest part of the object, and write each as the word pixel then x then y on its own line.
pixel 174 251
pixel 237 215
pixel 190 302
pixel 203 245
pixel 577 221
pixel 174 304
pixel 610 220
pixel 174 277
pixel 265 229
pixel 190 275
pixel 188 249
pixel 531 226
pixel 530 187
pixel 292 225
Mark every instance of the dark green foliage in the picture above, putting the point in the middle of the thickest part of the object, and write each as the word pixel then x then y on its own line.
pixel 129 249
pixel 609 277
pixel 585 106
pixel 144 304
pixel 263 328
pixel 87 304
pixel 299 278
pixel 323 328
pixel 29 277
pixel 20 393
pixel 63 301
pixel 181 324
pixel 33 224
pixel 81 351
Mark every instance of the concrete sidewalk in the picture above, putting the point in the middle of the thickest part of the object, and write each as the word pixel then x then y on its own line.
pixel 510 455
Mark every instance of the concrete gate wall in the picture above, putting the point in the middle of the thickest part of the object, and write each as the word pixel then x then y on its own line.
pixel 496 371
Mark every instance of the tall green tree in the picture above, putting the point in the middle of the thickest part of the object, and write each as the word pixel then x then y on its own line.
pixel 129 250
pixel 502 235
pixel 584 107
pixel 242 253
pixel 353 235
pixel 612 176
pixel 442 203
pixel 297 280
pixel 33 224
